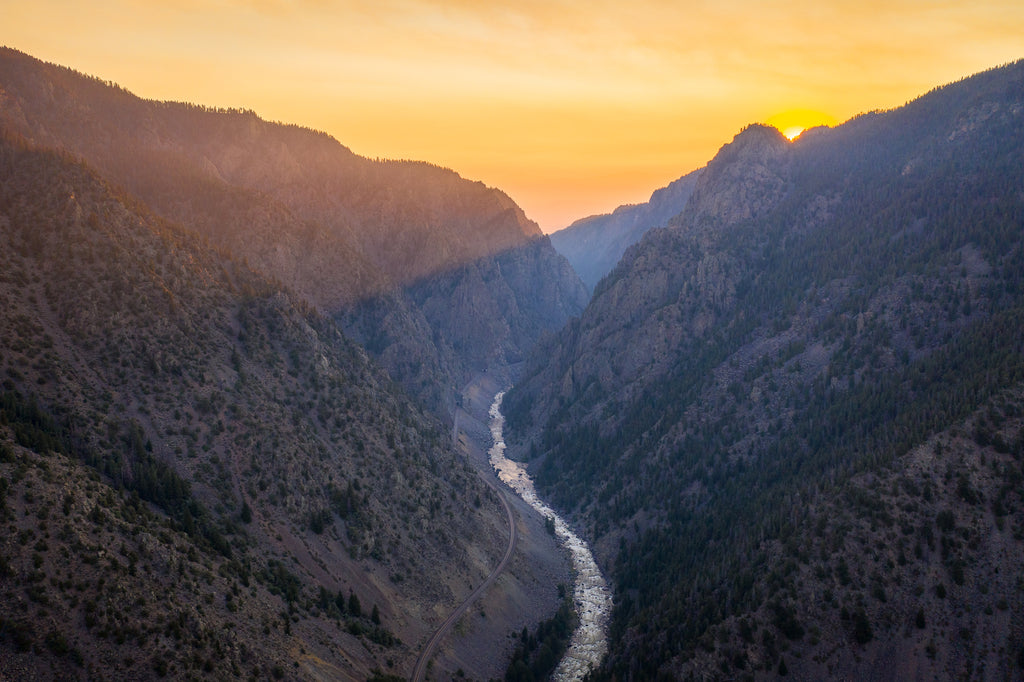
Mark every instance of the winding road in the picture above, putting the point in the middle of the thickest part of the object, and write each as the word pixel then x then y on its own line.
pixel 420 670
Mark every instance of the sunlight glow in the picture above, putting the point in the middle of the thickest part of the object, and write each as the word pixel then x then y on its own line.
pixel 572 107
pixel 792 122
pixel 792 132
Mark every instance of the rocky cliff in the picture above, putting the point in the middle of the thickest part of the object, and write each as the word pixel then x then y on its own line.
pixel 768 415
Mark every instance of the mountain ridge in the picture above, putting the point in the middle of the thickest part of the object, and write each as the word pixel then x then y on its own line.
pixel 165 361
pixel 297 166
pixel 790 421
pixel 352 235
pixel 254 462
pixel 593 245
pixel 818 310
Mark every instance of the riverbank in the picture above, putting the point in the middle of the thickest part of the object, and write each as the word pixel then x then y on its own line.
pixel 482 641
pixel 591 594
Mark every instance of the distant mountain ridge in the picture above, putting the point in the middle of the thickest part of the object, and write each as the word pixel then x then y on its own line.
pixel 790 421
pixel 348 233
pixel 594 245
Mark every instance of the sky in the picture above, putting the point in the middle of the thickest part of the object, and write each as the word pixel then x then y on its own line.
pixel 572 107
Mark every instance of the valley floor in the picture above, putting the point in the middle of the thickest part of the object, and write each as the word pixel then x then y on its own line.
pixel 481 643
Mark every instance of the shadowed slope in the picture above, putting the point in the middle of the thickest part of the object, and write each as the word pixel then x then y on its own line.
pixel 220 442
pixel 347 233
pixel 820 315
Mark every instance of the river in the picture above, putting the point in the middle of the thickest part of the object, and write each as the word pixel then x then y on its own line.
pixel 593 599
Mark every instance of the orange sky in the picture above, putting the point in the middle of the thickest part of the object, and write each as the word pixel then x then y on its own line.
pixel 571 106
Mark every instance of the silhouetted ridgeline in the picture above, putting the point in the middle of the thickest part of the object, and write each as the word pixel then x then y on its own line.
pixel 792 420
pixel 349 234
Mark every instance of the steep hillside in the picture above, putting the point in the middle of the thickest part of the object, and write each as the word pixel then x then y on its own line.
pixel 594 245
pixel 483 315
pixel 906 572
pixel 347 233
pixel 819 312
pixel 174 423
pixel 409 219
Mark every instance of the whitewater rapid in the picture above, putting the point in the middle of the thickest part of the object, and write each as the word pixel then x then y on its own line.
pixel 593 599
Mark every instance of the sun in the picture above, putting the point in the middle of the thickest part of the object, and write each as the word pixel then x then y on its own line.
pixel 792 132
pixel 792 122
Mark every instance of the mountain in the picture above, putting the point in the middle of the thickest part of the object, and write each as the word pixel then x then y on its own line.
pixel 790 422
pixel 594 245
pixel 177 382
pixel 200 473
pixel 349 234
